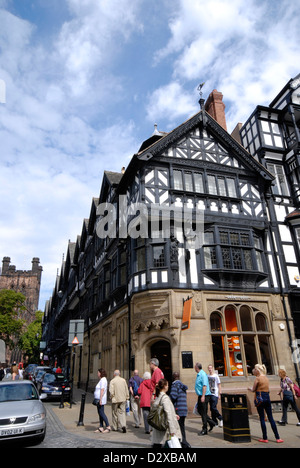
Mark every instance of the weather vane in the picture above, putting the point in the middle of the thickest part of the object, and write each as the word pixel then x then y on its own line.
pixel 200 89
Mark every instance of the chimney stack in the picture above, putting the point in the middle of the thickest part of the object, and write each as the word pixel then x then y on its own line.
pixel 215 107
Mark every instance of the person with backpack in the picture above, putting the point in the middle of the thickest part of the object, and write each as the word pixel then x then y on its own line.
pixel 134 384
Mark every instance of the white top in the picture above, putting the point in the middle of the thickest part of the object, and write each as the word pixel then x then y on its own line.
pixel 101 384
pixel 214 382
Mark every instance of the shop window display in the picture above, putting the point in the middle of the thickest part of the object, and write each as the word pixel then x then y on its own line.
pixel 240 339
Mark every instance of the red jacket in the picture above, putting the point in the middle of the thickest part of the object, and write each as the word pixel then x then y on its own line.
pixel 145 392
pixel 156 376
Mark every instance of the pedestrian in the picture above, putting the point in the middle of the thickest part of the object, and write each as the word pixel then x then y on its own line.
pixel 2 373
pixel 159 438
pixel 261 388
pixel 118 389
pixel 215 390
pixel 157 374
pixel 203 392
pixel 179 399
pixel 101 395
pixel 134 384
pixel 288 397
pixel 145 399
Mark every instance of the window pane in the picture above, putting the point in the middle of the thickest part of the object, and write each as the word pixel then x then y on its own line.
pixel 224 238
pixel 215 322
pixel 248 259
pixel 210 258
pixel 178 185
pixel 264 347
pixel 188 182
pixel 245 315
pixel 222 186
pixel 226 258
pixel 234 238
pixel 237 259
pixel 158 256
pixel 219 355
pixel 231 188
pixel 209 238
pixel 250 353
pixel 198 183
pixel 261 323
pixel 212 189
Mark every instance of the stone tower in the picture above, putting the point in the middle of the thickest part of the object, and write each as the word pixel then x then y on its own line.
pixel 26 282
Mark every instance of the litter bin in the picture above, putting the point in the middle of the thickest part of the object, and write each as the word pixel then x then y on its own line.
pixel 235 418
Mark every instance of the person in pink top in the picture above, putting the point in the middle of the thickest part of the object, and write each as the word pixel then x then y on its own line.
pixel 157 374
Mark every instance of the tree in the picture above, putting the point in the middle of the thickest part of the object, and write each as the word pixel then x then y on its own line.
pixel 30 340
pixel 11 305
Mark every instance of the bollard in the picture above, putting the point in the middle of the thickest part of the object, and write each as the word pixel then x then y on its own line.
pixel 61 405
pixel 81 414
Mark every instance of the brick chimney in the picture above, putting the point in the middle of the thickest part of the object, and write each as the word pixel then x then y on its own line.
pixel 215 107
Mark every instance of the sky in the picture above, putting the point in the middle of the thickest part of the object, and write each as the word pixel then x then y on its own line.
pixel 82 83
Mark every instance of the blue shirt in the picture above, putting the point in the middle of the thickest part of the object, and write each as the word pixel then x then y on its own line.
pixel 201 381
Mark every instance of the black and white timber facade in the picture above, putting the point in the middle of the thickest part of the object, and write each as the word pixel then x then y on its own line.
pixel 130 287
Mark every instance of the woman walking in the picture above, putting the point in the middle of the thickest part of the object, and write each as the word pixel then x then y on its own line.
pixel 160 437
pixel 261 387
pixel 288 397
pixel 145 402
pixel 101 395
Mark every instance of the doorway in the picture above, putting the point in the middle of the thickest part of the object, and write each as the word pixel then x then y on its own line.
pixel 161 350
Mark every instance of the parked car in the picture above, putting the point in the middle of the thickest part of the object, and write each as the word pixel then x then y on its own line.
pixel 38 372
pixel 54 384
pixel 38 379
pixel 22 414
pixel 27 374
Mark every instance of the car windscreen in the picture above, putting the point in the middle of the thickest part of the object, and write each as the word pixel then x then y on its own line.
pixel 54 378
pixel 17 392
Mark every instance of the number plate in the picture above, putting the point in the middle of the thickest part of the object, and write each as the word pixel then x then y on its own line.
pixel 9 432
pixel 56 393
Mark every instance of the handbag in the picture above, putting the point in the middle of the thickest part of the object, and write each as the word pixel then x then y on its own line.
pixel 174 442
pixel 96 402
pixel 297 390
pixel 157 417
pixel 258 400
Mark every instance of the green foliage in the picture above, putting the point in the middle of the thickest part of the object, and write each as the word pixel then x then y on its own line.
pixel 11 305
pixel 30 340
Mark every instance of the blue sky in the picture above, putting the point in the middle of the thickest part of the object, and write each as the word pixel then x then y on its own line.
pixel 85 82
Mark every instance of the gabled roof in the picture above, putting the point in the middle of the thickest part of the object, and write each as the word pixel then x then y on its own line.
pixel 203 118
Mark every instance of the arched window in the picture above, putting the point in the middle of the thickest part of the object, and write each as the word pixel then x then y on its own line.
pixel 237 347
pixel 261 322
pixel 215 322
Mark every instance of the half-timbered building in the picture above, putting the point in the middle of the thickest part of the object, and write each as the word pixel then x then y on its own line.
pixel 179 259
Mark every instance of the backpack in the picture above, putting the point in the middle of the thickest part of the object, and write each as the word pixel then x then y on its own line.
pixel 135 387
pixel 157 417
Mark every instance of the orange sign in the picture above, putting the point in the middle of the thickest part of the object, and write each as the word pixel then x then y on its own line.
pixel 186 316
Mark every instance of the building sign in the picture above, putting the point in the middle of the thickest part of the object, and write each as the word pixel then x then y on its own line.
pixel 187 360
pixel 186 316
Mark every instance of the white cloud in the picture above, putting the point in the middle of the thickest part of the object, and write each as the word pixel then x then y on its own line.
pixel 171 100
pixel 247 50
pixel 52 155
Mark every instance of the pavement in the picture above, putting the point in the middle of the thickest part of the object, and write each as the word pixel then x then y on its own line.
pixel 136 437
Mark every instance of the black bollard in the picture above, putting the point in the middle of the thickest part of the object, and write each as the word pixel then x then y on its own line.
pixel 61 406
pixel 81 414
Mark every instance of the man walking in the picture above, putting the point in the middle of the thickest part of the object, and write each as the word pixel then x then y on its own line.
pixel 119 394
pixel 157 374
pixel 203 392
pixel 134 384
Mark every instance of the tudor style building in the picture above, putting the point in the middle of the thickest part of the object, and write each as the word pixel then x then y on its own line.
pixel 131 273
pixel 272 136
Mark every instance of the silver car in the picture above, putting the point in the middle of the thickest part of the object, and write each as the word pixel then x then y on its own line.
pixel 22 414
